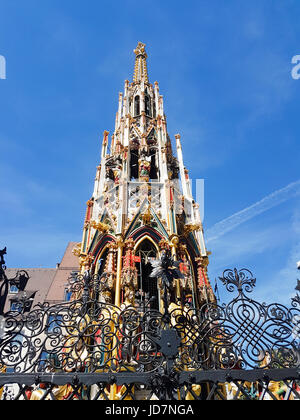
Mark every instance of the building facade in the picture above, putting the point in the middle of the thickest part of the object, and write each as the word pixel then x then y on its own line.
pixel 142 204
pixel 44 284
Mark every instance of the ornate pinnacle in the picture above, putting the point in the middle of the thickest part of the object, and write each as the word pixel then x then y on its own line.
pixel 140 67
pixel 140 50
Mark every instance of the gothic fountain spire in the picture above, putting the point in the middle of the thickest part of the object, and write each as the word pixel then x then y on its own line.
pixel 140 68
pixel 142 204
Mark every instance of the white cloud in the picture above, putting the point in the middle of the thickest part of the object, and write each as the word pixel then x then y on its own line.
pixel 267 203
pixel 269 247
pixel 234 247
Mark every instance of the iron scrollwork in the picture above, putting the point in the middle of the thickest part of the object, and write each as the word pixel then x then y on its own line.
pixel 162 349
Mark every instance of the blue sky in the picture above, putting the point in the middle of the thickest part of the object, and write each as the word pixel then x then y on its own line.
pixel 224 68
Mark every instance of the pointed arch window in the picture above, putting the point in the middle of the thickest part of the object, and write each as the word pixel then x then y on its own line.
pixel 147 105
pixel 137 106
pixel 153 170
pixel 148 286
pixel 134 164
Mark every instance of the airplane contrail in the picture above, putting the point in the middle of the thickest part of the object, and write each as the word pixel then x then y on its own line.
pixel 270 201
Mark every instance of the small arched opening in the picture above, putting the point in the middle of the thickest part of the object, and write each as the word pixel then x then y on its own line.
pixel 137 107
pixel 148 286
pixel 147 106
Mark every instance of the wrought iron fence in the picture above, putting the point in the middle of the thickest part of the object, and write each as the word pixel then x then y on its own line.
pixel 89 348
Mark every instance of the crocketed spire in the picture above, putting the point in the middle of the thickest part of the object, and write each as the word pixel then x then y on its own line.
pixel 140 67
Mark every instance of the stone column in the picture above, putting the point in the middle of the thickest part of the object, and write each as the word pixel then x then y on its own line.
pixel 110 270
pixel 120 245
pixel 129 278
pixel 173 244
pixel 205 289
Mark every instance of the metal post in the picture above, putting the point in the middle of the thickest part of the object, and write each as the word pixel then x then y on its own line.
pixel 4 279
pixel 141 277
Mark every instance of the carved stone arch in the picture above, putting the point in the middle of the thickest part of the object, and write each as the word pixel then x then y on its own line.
pixel 149 218
pixel 104 263
pixel 99 247
pixel 101 256
pixel 147 237
pixel 147 231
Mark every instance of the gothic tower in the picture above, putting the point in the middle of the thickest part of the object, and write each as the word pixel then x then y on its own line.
pixel 142 204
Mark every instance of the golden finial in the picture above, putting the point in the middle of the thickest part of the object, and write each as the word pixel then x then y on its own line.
pixel 140 68
pixel 140 50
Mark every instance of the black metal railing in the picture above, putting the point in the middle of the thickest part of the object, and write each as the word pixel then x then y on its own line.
pixel 91 349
